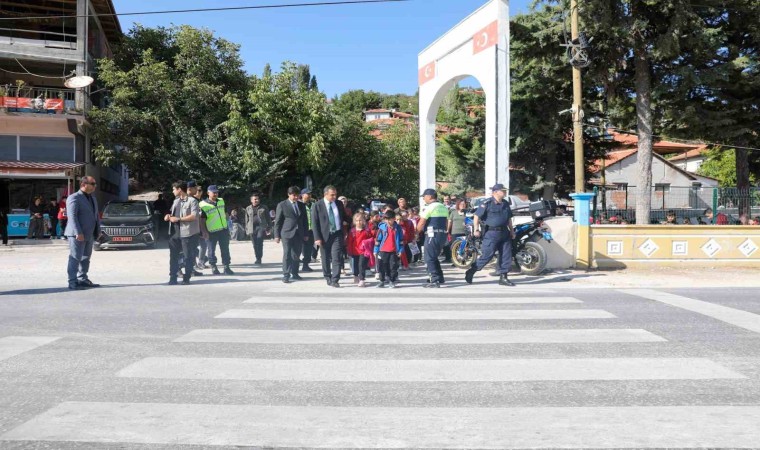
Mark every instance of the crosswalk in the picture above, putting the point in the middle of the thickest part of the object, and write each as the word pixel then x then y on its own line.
pixel 414 326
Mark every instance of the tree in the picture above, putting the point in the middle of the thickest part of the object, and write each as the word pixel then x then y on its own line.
pixel 167 90
pixel 721 165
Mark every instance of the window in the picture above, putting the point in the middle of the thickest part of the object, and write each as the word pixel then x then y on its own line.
pixel 8 148
pixel 662 187
pixel 47 149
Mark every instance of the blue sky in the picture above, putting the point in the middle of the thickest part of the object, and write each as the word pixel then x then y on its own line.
pixel 371 47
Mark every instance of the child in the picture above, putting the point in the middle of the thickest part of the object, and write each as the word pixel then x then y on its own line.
pixel 388 248
pixel 410 235
pixel 355 248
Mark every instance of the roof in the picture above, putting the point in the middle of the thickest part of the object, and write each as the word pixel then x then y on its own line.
pixel 700 152
pixel 378 111
pixel 111 24
pixel 661 147
pixel 40 165
pixel 612 158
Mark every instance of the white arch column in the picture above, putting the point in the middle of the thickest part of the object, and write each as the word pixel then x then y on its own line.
pixel 478 47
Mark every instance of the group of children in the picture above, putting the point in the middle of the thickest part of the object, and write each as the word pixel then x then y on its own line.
pixel 385 242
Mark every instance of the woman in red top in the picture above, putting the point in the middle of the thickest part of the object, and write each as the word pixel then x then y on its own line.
pixel 355 248
pixel 62 217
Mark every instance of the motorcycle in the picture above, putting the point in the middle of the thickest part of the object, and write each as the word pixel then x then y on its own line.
pixel 527 253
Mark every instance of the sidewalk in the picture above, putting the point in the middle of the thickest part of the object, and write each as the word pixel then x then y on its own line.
pixel 142 264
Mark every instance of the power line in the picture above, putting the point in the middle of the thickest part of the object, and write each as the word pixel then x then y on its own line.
pixel 682 141
pixel 230 8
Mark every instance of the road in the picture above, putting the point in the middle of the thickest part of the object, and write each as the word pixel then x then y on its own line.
pixel 246 361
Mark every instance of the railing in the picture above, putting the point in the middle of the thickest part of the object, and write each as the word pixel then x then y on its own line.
pixel 618 205
pixel 39 100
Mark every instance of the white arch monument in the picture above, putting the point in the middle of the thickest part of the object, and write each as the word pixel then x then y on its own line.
pixel 478 47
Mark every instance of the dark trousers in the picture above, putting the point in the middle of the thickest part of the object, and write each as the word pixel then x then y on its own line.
pixel 53 227
pixel 291 256
pixel 387 263
pixel 360 264
pixel 493 242
pixel 186 246
pixel 433 247
pixel 4 233
pixel 258 246
pixel 63 223
pixel 223 238
pixel 332 256
pixel 308 249
pixel 36 228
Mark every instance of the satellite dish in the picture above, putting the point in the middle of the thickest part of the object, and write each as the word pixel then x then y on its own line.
pixel 79 82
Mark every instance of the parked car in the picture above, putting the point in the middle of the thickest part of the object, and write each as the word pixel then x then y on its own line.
pixel 131 224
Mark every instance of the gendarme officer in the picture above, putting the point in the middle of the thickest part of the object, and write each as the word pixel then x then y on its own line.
pixel 496 216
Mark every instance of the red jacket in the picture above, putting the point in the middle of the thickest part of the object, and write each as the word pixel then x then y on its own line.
pixel 355 239
pixel 410 233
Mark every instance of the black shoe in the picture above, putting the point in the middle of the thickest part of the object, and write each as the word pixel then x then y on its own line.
pixel 197 274
pixel 296 277
pixel 286 280
pixel 306 268
pixel 432 285
pixel 185 281
pixel 87 284
pixel 257 264
pixel 328 280
pixel 335 284
pixel 504 281
pixel 76 287
pixel 173 282
pixel 215 270
pixel 228 271
pixel 468 276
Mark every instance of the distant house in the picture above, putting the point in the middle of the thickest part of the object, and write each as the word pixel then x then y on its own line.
pixel 692 160
pixel 378 114
pixel 673 186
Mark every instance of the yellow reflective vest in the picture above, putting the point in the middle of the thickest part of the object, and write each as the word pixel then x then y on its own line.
pixel 216 216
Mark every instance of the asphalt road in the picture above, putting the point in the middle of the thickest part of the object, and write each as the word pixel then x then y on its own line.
pixel 246 361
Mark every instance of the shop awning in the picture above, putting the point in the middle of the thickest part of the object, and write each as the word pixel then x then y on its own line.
pixel 31 169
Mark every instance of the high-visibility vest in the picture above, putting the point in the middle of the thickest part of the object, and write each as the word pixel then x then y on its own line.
pixel 216 216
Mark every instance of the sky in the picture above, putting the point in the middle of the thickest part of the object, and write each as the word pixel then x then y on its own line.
pixel 370 47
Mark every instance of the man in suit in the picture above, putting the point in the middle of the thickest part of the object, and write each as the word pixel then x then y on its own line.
pixel 290 228
pixel 328 218
pixel 82 229
pixel 258 225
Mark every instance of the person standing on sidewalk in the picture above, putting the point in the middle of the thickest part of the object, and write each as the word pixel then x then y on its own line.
pixel 215 215
pixel 201 251
pixel 62 218
pixel 258 226
pixel 433 221
pixel 52 212
pixel 308 246
pixel 4 226
pixel 82 230
pixel 36 220
pixel 184 230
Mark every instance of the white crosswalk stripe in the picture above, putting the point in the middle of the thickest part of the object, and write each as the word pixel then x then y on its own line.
pixel 358 427
pixel 497 314
pixel 15 345
pixel 370 300
pixel 353 337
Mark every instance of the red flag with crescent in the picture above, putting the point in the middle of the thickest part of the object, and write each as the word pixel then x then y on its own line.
pixel 427 73
pixel 485 38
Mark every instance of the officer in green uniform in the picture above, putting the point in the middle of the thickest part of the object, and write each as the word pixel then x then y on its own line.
pixel 496 216
pixel 433 222
pixel 213 212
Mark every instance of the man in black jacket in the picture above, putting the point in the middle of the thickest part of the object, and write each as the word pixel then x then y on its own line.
pixel 328 218
pixel 290 228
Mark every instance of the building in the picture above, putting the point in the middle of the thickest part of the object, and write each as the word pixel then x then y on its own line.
pixel 45 140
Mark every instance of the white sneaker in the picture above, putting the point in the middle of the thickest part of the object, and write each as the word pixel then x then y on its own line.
pixel 377 276
pixel 362 283
pixel 392 285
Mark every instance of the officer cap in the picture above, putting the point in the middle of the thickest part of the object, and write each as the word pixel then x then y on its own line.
pixel 213 189
pixel 305 191
pixel 430 192
pixel 498 187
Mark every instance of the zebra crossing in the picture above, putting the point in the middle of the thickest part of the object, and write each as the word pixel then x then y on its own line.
pixel 347 320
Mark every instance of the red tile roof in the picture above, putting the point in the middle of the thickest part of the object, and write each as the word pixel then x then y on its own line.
pixel 690 154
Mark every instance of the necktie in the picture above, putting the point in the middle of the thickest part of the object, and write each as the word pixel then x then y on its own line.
pixel 295 208
pixel 331 218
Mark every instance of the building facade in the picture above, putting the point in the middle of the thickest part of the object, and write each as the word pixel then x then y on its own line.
pixel 45 143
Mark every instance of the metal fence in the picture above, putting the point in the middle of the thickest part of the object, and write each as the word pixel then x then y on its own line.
pixel 618 205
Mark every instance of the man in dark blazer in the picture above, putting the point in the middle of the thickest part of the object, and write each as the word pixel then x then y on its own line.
pixel 290 227
pixel 82 229
pixel 328 218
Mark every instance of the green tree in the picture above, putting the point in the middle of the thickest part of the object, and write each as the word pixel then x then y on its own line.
pixel 721 165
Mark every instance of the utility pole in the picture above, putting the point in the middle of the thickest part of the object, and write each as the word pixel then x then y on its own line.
pixel 580 168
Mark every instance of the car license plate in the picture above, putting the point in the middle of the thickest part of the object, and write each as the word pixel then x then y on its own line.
pixel 122 239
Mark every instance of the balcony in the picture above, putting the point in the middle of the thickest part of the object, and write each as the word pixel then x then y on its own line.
pixel 38 100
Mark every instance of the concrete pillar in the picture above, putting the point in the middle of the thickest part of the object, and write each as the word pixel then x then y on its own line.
pixel 82 33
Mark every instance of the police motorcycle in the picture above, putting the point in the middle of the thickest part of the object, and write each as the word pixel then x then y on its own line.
pixel 526 251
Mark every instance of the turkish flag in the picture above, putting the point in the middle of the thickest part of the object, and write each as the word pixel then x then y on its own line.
pixel 427 73
pixel 485 38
